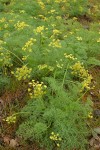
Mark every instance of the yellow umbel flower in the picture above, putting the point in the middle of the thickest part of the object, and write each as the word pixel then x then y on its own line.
pixel 45 66
pixel 55 43
pixel 28 45
pixel 10 119
pixel 39 29
pixel 78 70
pixel 56 32
pixel 6 25
pixel 42 5
pixel 20 25
pixel 22 11
pixel 3 19
pixel 58 18
pixel 51 11
pixel 22 73
pixel 59 64
pixel 5 57
pixel 86 83
pixel 59 1
pixel 24 58
pixel 70 56
pixel 43 17
pixel 98 41
pixel 90 115
pixel 36 89
pixel 79 38
pixel 56 138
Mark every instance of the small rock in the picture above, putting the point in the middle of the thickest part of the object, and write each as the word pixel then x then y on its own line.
pixel 92 141
pixel 13 143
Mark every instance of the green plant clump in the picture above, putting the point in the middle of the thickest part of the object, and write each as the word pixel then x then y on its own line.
pixel 62 114
pixel 44 47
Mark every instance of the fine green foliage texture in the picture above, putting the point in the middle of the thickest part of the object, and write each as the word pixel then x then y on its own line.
pixel 61 113
pixel 44 47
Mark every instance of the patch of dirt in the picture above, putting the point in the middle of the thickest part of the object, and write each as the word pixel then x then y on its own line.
pixel 95 122
pixel 95 93
pixel 10 96
pixel 85 20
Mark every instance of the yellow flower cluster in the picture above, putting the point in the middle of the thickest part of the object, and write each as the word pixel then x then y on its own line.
pixel 28 44
pixel 1 42
pixel 71 33
pixel 51 11
pixel 65 36
pixel 56 138
pixel 5 25
pixel 58 18
pixel 22 11
pixel 53 25
pixel 43 17
pixel 70 56
pixel 86 83
pixel 59 1
pixel 56 32
pixel 39 29
pixel 22 73
pixel 20 25
pixel 79 38
pixel 98 41
pixel 10 119
pixel 5 58
pixel 55 43
pixel 42 5
pixel 6 35
pixel 36 89
pixel 79 70
pixel 45 66
pixel 24 58
pixel 3 20
pixel 59 64
pixel 75 18
pixel 90 115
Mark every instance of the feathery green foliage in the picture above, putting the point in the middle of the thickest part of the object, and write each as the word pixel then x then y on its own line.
pixel 43 44
pixel 60 113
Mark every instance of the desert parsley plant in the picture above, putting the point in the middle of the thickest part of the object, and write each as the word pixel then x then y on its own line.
pixel 43 45
pixel 60 112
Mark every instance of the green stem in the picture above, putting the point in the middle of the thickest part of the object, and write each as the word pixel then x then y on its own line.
pixel 82 95
pixel 40 41
pixel 55 74
pixel 20 113
pixel 16 56
pixel 65 75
